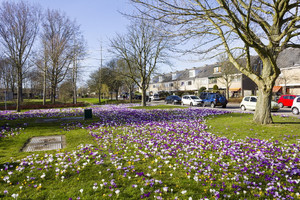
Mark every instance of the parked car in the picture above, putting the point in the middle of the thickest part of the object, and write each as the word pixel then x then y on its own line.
pixel 296 106
pixel 191 100
pixel 215 99
pixel 139 97
pixel 154 97
pixel 173 99
pixel 249 103
pixel 203 95
pixel 286 100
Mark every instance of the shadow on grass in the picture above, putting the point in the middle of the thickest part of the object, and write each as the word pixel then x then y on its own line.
pixel 286 122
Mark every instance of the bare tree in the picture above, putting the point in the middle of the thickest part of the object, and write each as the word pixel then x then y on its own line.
pixel 128 80
pixel 226 73
pixel 58 37
pixel 142 48
pixel 115 79
pixel 97 79
pixel 41 63
pixel 7 75
pixel 266 27
pixel 79 53
pixel 18 29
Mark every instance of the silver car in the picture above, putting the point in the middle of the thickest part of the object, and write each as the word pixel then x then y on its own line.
pixel 191 100
pixel 296 106
pixel 249 103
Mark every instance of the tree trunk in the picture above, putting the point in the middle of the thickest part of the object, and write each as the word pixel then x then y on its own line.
pixel 227 91
pixel 130 95
pixel 99 95
pixel 143 96
pixel 53 94
pixel 44 87
pixel 19 90
pixel 117 93
pixel 262 113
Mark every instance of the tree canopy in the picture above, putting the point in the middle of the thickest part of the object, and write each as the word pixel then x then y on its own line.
pixel 236 27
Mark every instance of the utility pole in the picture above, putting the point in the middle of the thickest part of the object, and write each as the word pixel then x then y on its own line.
pixel 100 81
pixel 75 74
pixel 45 77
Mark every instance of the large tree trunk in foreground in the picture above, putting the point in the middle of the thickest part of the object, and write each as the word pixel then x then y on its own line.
pixel 262 113
pixel 265 84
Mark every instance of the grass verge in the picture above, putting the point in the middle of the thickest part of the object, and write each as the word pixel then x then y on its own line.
pixel 239 126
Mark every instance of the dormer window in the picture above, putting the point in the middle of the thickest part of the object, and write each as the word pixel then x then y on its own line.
pixel 174 76
pixel 192 73
pixel 217 69
pixel 160 78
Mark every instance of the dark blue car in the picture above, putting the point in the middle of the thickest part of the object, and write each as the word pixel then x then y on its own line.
pixel 173 99
pixel 214 99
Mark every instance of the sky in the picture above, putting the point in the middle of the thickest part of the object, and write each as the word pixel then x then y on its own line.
pixel 101 20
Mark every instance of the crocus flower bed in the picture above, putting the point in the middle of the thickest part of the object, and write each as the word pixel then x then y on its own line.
pixel 44 113
pixel 157 154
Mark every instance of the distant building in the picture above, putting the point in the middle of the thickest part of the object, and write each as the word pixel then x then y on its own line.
pixel 191 80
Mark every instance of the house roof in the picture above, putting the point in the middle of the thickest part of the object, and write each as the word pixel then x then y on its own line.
pixel 288 58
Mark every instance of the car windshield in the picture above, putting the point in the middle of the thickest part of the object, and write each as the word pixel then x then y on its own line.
pixel 194 97
pixel 176 98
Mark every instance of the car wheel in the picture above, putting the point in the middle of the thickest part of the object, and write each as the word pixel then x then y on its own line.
pixel 191 104
pixel 224 106
pixel 243 108
pixel 295 111
pixel 212 105
pixel 280 105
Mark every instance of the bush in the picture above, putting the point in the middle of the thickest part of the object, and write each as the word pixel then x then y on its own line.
pixel 215 88
pixel 202 89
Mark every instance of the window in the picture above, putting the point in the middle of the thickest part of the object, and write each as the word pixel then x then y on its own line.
pixel 217 69
pixel 237 78
pixel 174 76
pixel 160 78
pixel 182 83
pixel 253 99
pixel 154 86
pixel 189 82
pixel 212 80
pixel 171 85
pixel 246 98
pixel 192 73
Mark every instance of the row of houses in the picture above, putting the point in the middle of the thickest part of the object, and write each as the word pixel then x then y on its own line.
pixel 239 85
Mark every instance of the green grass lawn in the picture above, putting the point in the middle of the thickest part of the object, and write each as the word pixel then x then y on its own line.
pixel 239 126
pixel 65 177
pixel 11 147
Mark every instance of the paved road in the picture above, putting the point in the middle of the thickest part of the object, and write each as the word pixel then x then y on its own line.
pixel 235 107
